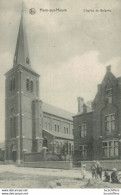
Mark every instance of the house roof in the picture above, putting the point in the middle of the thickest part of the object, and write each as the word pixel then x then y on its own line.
pixel 57 111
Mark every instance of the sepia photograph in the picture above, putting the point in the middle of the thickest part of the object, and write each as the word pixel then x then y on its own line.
pixel 60 94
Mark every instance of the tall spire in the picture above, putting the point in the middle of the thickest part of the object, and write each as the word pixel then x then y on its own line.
pixel 22 53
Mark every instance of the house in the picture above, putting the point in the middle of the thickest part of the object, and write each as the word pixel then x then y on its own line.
pixel 97 129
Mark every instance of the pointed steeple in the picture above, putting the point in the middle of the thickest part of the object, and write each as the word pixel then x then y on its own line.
pixel 22 53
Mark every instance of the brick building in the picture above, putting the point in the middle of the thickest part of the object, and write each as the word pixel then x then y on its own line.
pixel 97 129
pixel 31 124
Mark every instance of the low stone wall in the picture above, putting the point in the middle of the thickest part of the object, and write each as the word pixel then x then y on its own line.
pixel 106 164
pixel 49 164
pixel 33 157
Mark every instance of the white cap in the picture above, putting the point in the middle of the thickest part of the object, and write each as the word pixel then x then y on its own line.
pixel 114 169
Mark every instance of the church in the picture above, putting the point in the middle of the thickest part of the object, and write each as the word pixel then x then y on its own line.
pixel 97 130
pixel 31 124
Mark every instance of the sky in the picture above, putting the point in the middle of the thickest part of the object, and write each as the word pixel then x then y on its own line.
pixel 69 49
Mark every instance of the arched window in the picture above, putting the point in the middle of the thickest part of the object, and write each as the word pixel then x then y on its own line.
pixel 12 84
pixel 27 61
pixel 55 127
pixel 31 86
pixel 49 126
pixel 58 128
pixel 46 125
pixel 27 84
pixel 67 130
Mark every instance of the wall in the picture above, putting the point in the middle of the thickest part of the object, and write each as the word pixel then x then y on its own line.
pixel 33 157
pixel 49 164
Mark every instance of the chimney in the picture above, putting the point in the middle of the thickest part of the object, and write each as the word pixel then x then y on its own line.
pixel 80 104
pixel 108 68
pixel 84 108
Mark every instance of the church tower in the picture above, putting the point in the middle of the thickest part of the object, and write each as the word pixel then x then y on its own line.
pixel 22 115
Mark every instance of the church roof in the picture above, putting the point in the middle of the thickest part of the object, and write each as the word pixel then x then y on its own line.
pixel 59 135
pixel 57 111
pixel 22 52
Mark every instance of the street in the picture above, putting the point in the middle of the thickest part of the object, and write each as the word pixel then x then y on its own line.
pixel 12 176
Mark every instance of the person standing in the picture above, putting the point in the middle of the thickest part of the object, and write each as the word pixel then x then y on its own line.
pixel 83 171
pixel 99 170
pixel 94 169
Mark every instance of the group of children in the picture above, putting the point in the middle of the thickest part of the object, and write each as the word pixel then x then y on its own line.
pixel 97 169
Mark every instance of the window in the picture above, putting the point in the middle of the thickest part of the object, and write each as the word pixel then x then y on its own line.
pixel 31 86
pixel 12 84
pixel 55 127
pixel 109 91
pixel 27 84
pixel 49 126
pixel 83 130
pixel 110 148
pixel 67 130
pixel 109 94
pixel 27 61
pixel 58 128
pixel 64 130
pixel 110 122
pixel 83 151
pixel 45 125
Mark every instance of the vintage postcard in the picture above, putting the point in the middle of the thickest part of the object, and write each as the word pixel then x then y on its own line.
pixel 60 95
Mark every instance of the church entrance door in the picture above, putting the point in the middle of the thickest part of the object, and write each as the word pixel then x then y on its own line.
pixel 14 156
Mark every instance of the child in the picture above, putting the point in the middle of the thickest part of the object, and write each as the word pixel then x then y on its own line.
pixel 94 169
pixel 107 177
pixel 83 171
pixel 99 170
pixel 114 176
